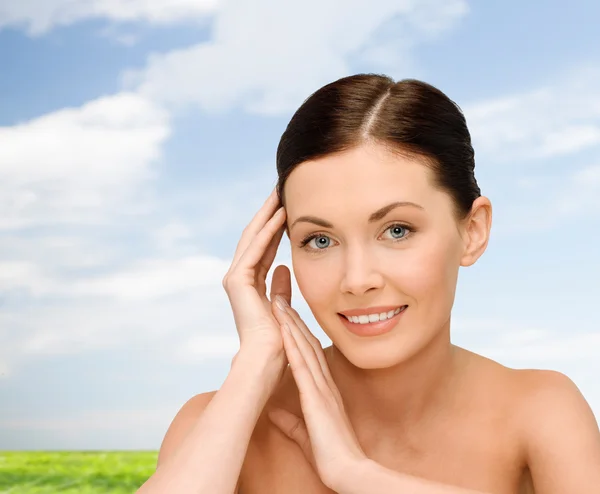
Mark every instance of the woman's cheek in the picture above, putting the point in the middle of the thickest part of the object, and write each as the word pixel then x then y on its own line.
pixel 309 278
pixel 427 277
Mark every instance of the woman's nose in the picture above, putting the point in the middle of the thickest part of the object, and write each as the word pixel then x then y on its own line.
pixel 360 273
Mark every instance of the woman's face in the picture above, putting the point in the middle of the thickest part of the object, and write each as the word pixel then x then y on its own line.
pixel 410 256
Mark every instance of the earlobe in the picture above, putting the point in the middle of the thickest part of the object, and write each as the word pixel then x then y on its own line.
pixel 477 231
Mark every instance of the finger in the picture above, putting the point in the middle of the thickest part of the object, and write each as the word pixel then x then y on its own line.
pixel 271 250
pixel 256 225
pixel 267 259
pixel 281 284
pixel 294 428
pixel 302 358
pixel 315 344
pixel 302 374
pixel 253 254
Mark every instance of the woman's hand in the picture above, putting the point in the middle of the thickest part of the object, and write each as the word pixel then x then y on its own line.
pixel 325 435
pixel 245 283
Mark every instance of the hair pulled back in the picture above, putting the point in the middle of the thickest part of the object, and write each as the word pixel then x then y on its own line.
pixel 409 117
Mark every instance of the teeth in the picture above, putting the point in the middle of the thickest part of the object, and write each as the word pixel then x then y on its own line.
pixel 366 319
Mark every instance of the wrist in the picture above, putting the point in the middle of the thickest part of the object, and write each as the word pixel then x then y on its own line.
pixel 259 356
pixel 263 365
pixel 351 479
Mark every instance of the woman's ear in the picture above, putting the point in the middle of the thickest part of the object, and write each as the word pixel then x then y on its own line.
pixel 476 231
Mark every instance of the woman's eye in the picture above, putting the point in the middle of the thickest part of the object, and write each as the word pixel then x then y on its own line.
pixel 319 242
pixel 398 230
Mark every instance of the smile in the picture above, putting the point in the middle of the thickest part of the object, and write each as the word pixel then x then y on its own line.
pixel 376 327
pixel 366 319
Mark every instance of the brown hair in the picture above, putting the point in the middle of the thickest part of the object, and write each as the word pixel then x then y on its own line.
pixel 409 117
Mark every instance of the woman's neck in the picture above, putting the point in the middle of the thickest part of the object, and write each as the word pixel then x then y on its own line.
pixel 397 398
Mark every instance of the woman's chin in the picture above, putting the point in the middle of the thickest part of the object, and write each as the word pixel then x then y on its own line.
pixel 378 352
pixel 372 356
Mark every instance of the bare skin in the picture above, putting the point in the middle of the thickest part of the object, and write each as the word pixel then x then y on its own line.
pixel 467 438
pixel 418 404
pixel 476 439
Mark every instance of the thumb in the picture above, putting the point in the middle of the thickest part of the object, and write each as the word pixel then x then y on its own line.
pixel 294 428
pixel 281 283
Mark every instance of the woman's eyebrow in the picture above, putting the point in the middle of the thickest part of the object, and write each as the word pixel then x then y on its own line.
pixel 376 216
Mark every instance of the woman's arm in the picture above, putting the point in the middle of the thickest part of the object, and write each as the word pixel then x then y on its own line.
pixel 370 477
pixel 210 455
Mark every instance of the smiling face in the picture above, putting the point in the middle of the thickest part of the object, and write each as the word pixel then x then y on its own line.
pixel 409 256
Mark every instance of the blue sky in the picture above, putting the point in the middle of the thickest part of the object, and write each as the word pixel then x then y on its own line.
pixel 138 139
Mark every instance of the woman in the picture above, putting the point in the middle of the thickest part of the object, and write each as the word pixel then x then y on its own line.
pixel 378 197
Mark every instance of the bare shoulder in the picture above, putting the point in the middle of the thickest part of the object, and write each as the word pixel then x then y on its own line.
pixel 557 434
pixel 182 423
pixel 545 395
pixel 560 432
pixel 528 390
pixel 537 398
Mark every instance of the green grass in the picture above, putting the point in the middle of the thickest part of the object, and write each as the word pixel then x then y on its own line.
pixel 119 472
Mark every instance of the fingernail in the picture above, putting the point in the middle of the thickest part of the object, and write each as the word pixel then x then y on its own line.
pixel 281 302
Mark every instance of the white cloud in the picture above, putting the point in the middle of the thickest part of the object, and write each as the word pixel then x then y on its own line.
pixel 142 280
pixel 558 119
pixel 40 16
pixel 66 177
pixel 543 127
pixel 100 319
pixel 75 164
pixel 82 169
pixel 266 58
pixel 68 250
pixel 173 308
pixel 24 278
pixel 581 193
pixel 153 279
pixel 548 200
pixel 198 347
pixel 169 236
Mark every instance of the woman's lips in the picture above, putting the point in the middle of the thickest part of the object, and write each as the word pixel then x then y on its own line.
pixel 373 328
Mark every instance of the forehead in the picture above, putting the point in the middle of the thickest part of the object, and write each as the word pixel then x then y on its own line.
pixel 363 177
